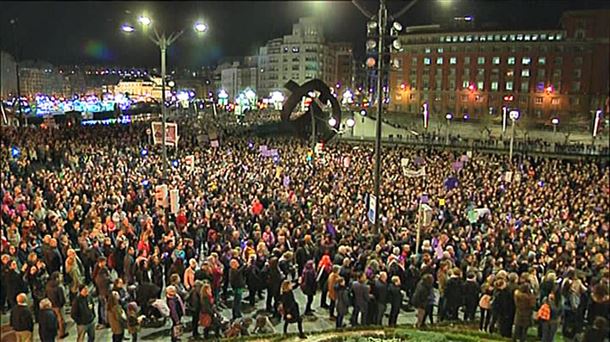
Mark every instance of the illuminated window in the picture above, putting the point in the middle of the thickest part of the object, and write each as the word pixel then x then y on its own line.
pixel 465 84
pixel 439 60
pixel 480 85
pixel 527 37
pixel 481 60
pixel 509 85
pixel 538 100
pixel 510 73
pixel 494 85
pixel 427 61
pixel 525 73
pixel 439 50
pixel 525 60
pixel 462 39
pixel 452 60
pixel 519 37
pixel 496 60
pixel 511 60
pixel 427 50
pixel 414 60
pixel 542 60
pixel 555 101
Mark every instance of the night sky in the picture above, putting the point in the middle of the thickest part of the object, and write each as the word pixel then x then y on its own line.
pixel 88 32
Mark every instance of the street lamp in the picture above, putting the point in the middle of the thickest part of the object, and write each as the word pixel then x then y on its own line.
pixel 350 122
pixel 332 122
pixel 514 116
pixel 555 122
pixel 163 42
pixel 449 117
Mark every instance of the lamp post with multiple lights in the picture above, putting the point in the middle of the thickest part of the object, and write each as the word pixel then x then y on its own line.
pixel 514 116
pixel 163 42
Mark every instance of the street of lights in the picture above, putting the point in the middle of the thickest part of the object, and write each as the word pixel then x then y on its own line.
pixel 514 116
pixel 163 42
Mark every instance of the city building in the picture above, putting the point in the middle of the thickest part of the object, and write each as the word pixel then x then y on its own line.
pixel 146 86
pixel 544 73
pixel 302 56
pixel 39 77
pixel 239 75
pixel 8 75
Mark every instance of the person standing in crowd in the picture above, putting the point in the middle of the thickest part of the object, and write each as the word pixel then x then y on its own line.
pixel 101 276
pixel 525 301
pixel 177 310
pixel 116 317
pixel 4 271
pixel 55 293
pixel 332 281
pixel 290 308
pixel 549 316
pixel 380 294
pixel 470 297
pixel 500 307
pixel 83 314
pixel 420 297
pixel 208 315
pixel 48 324
pixel 361 291
pixel 485 304
pixel 308 285
pixel 395 300
pixel 323 272
pixel 22 320
pixel 74 272
pixel 238 282
pixel 343 301
pixel 134 321
pixel 274 279
pixel 193 300
pixel 453 294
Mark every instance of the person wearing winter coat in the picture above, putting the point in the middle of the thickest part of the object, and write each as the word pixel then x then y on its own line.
pixel 253 279
pixel 101 277
pixel 21 319
pixel 471 297
pixel 274 280
pixel 83 315
pixel 380 294
pixel 134 321
pixel 599 305
pixel 420 297
pixel 238 282
pixel 290 308
pixel 55 293
pixel 525 301
pixel 308 285
pixel 502 300
pixel 362 295
pixel 343 301
pixel 116 316
pixel 395 299
pixel 332 281
pixel 453 294
pixel 549 326
pixel 208 310
pixel 48 324
pixel 176 311
pixel 322 273
pixel 194 303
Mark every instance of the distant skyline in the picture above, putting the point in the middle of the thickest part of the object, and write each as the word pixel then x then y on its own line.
pixel 88 32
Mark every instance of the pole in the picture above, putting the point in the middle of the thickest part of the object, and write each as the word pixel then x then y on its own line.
pixel 554 129
pixel 163 46
pixel 512 138
pixel 382 25
pixel 18 109
pixel 447 135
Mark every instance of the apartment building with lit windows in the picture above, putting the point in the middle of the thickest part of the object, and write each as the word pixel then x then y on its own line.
pixel 544 73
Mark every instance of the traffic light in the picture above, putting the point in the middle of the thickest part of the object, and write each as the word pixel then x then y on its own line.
pixel 161 196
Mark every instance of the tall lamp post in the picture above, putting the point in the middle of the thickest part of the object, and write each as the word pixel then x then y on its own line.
pixel 514 116
pixel 163 42
pixel 381 25
pixel 17 53
pixel 449 116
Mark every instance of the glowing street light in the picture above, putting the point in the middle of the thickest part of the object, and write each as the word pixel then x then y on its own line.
pixel 127 28
pixel 332 122
pixel 350 122
pixel 144 20
pixel 200 27
pixel 555 122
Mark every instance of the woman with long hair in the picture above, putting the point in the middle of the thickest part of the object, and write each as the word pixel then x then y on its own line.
pixel 290 308
pixel 208 318
pixel 116 317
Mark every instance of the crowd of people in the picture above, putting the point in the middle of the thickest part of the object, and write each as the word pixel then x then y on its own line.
pixel 502 241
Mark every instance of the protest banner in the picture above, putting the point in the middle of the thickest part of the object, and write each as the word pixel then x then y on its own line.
pixel 171 133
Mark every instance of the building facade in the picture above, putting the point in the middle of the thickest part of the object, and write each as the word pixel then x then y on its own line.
pixel 544 73
pixel 142 86
pixel 302 56
pixel 238 75
pixel 8 75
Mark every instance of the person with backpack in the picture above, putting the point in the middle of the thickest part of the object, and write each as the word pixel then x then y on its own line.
pixel 549 315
